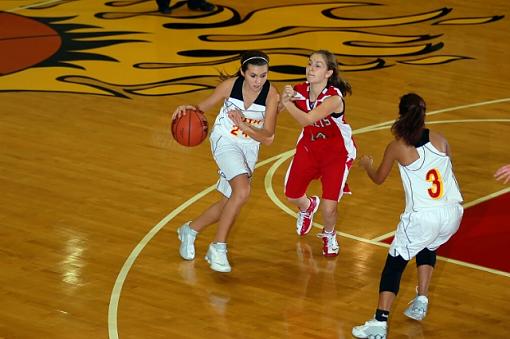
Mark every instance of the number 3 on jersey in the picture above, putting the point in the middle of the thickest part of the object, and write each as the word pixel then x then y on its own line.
pixel 436 190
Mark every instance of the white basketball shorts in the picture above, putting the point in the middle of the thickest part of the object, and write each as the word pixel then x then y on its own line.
pixel 427 228
pixel 233 159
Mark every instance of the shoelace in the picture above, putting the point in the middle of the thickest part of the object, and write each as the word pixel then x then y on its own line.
pixel 303 214
pixel 419 307
pixel 221 250
pixel 324 234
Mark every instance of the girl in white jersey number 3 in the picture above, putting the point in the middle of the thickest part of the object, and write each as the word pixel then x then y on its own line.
pixel 432 214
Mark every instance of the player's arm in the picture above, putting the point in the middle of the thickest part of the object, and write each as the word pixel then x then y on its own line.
pixel 330 105
pixel 281 106
pixel 264 135
pixel 220 93
pixel 380 174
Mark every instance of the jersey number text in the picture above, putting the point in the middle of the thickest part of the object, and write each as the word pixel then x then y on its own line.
pixel 436 190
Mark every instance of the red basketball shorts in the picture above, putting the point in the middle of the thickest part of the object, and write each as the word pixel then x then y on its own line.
pixel 318 160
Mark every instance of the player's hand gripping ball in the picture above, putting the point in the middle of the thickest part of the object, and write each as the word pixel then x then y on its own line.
pixel 191 128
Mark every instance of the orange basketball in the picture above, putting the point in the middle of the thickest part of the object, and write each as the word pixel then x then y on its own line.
pixel 191 128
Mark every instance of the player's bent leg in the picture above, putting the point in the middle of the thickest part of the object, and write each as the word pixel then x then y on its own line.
pixel 210 216
pixel 217 253
pixel 426 257
pixel 240 194
pixel 388 288
pixel 330 247
pixel 188 232
pixel 392 273
pixel 329 213
pixel 425 262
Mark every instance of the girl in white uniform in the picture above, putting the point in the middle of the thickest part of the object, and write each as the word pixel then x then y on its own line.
pixel 247 118
pixel 432 214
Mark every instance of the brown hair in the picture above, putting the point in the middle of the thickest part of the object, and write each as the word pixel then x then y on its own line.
pixel 257 58
pixel 411 120
pixel 335 79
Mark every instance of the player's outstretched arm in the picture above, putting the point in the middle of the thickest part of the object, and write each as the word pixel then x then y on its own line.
pixel 380 174
pixel 219 93
pixel 330 105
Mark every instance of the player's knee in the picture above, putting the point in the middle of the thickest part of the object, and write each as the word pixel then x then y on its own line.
pixel 426 257
pixel 392 273
pixel 241 194
pixel 245 194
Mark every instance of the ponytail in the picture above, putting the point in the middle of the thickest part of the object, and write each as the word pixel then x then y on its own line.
pixel 411 120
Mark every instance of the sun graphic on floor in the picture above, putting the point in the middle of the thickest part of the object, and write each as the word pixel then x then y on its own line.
pixel 127 48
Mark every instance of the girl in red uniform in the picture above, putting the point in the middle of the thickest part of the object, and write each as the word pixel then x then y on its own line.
pixel 325 148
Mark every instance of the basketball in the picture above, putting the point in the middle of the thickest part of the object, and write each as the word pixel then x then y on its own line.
pixel 191 128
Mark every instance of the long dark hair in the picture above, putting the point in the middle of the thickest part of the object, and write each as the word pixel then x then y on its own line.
pixel 257 58
pixel 335 79
pixel 411 120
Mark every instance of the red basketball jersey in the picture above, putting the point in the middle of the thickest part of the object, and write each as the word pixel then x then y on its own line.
pixel 325 150
pixel 332 128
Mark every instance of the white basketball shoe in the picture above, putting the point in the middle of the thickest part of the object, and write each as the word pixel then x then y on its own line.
pixel 217 257
pixel 187 236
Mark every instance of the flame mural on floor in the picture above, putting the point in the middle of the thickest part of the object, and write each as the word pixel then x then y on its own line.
pixel 126 48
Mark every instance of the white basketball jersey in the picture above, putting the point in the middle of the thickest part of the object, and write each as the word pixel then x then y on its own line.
pixel 429 181
pixel 253 115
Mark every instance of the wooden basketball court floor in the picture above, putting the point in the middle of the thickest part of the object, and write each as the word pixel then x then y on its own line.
pixel 93 187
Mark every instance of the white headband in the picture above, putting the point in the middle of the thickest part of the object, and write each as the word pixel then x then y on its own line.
pixel 255 57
